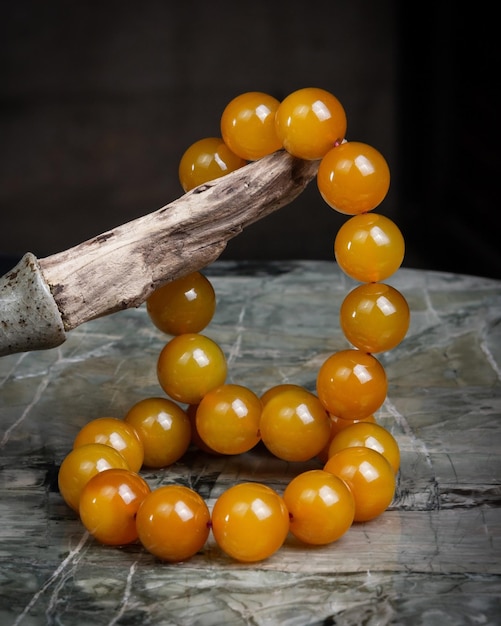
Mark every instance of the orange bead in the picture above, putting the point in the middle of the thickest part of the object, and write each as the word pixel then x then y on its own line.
pixel 116 433
pixel 294 425
pixel 227 419
pixel 374 317
pixel 248 125
pixel 371 436
pixel 369 247
pixel 206 160
pixel 353 178
pixel 368 475
pixel 185 305
pixel 250 522
pixel 81 464
pixel 173 523
pixel 351 384
pixel 309 122
pixel 337 425
pixel 109 503
pixel 163 427
pixel 189 366
pixel 321 507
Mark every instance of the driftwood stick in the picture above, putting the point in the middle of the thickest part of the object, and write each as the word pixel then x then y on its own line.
pixel 120 268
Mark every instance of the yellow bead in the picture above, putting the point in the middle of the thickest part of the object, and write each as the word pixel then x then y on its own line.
pixel 248 125
pixel 206 160
pixel 351 384
pixel 369 247
pixel 374 317
pixel 353 178
pixel 189 366
pixel 309 122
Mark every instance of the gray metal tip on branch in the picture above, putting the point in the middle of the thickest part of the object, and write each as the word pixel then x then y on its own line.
pixel 42 299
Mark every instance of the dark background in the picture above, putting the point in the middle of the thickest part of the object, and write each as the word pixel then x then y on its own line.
pixel 98 101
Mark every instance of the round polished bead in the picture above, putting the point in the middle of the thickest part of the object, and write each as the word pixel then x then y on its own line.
pixel 309 122
pixel 369 476
pixel 189 366
pixel 116 433
pixel 374 317
pixel 227 419
pixel 206 160
pixel 370 435
pixel 81 464
pixel 321 507
pixel 173 523
pixel 164 429
pixel 248 125
pixel 351 384
pixel 369 247
pixel 184 305
pixel 294 425
pixel 353 178
pixel 109 503
pixel 250 521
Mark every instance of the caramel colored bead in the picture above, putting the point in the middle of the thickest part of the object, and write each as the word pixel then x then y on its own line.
pixel 206 160
pixel 248 125
pixel 351 384
pixel 374 317
pixel 369 247
pixel 353 178
pixel 309 122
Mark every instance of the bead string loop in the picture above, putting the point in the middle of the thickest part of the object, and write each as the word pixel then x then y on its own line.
pixel 358 458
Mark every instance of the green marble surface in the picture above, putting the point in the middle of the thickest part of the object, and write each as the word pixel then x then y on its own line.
pixel 433 558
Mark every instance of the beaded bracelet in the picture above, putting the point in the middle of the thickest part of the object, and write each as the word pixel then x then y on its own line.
pixel 100 478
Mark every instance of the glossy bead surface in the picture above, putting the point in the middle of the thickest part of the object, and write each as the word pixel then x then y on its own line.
pixel 250 522
pixel 351 384
pixel 206 160
pixel 309 122
pixel 374 317
pixel 369 435
pixel 369 247
pixel 116 433
pixel 338 424
pixel 321 506
pixel 109 503
pixel 368 475
pixel 163 427
pixel 294 425
pixel 228 417
pixel 248 125
pixel 81 464
pixel 353 178
pixel 185 305
pixel 173 523
pixel 189 366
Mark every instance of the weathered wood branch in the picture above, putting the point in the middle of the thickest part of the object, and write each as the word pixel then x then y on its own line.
pixel 120 268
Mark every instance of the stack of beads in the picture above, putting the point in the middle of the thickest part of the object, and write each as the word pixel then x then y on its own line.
pixel 358 458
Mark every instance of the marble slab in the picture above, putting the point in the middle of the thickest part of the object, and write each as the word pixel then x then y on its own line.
pixel 433 558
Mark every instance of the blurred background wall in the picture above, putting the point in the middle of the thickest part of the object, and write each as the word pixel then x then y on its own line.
pixel 98 101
